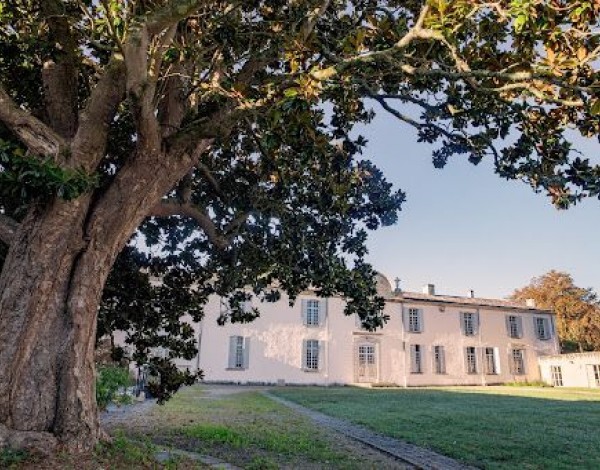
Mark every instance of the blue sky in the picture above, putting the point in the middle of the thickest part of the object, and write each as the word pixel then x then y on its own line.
pixel 464 227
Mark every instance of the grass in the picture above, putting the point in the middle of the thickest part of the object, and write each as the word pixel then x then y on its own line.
pixel 490 427
pixel 249 430
pixel 121 454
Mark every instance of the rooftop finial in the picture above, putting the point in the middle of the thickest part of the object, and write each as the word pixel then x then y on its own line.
pixel 397 282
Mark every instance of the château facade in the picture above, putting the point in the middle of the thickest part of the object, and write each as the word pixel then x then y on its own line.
pixel 429 340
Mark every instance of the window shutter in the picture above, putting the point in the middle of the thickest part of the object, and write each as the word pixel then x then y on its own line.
pixel 461 318
pixel 232 348
pixel 519 327
pixel 413 358
pixel 466 360
pixel 304 303
pixel 323 311
pixel 507 321
pixel 304 348
pixel 547 333
pixel 423 358
pixel 321 357
pixel 476 323
pixel 420 322
pixel 524 359
pixel 497 360
pixel 246 352
pixel 405 319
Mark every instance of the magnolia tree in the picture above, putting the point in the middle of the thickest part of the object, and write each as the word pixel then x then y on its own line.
pixel 223 131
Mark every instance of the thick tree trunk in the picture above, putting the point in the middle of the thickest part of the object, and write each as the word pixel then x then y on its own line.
pixel 50 289
pixel 49 296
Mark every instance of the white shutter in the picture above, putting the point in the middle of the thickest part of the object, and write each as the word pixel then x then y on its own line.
pixel 246 352
pixel 497 360
pixel 420 321
pixel 232 350
pixel 547 334
pixel 322 311
pixel 519 327
pixel 413 357
pixel 304 305
pixel 321 356
pixel 304 349
pixel 507 321
pixel 476 323
pixel 461 318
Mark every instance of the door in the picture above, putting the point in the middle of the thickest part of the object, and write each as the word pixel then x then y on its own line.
pixel 366 363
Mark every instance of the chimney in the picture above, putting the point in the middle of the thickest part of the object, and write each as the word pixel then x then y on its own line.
pixel 530 303
pixel 429 289
pixel 472 294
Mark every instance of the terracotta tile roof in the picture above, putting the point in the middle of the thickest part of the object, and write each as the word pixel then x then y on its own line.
pixel 466 301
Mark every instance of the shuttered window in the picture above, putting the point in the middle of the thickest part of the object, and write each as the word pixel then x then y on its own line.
pixel 596 369
pixel 471 360
pixel 514 326
pixel 416 359
pixel 491 366
pixel 415 320
pixel 311 354
pixel 314 312
pixel 542 328
pixel 239 352
pixel 470 323
pixel 518 361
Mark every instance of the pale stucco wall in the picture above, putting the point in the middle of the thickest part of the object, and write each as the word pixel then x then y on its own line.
pixel 276 345
pixel 577 369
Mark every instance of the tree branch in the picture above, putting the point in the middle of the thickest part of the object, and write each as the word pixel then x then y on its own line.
pixel 172 208
pixel 8 229
pixel 89 144
pixel 37 136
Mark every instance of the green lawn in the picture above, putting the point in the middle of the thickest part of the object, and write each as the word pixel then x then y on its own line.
pixel 249 430
pixel 491 427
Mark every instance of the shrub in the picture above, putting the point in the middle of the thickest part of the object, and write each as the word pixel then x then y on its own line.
pixel 109 381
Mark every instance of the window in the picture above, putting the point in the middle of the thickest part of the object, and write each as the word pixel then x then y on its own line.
pixel 596 369
pixel 416 359
pixel 415 320
pixel 439 359
pixel 556 373
pixel 491 366
pixel 517 361
pixel 312 312
pixel 311 354
pixel 513 326
pixel 469 323
pixel 238 352
pixel 542 329
pixel 471 357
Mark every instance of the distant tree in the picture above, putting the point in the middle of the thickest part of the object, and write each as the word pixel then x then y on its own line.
pixel 577 309
pixel 224 132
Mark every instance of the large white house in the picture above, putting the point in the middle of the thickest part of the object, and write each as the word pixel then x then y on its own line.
pixel 429 340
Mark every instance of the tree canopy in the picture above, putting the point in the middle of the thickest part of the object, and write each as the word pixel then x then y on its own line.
pixel 222 134
pixel 577 309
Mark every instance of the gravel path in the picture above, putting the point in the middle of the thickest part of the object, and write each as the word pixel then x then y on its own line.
pixel 403 451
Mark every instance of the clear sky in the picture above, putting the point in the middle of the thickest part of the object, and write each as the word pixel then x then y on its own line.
pixel 465 228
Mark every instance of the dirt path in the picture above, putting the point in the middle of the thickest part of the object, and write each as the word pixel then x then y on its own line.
pixel 403 451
